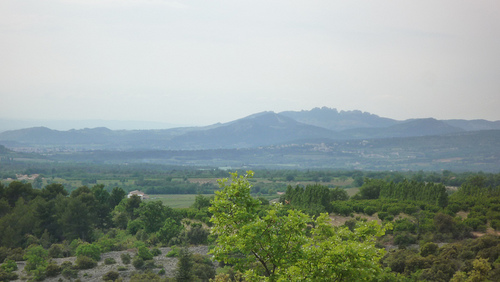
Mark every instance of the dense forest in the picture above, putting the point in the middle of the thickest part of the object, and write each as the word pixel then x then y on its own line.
pixel 418 226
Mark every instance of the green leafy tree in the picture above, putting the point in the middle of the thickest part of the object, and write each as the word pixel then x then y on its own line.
pixel 278 244
pixel 169 230
pixel 36 261
pixel 90 250
pixel 51 191
pixel 201 202
pixel 116 196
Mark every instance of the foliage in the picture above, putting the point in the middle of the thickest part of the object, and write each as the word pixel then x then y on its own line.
pixel 111 276
pixel 109 261
pixel 90 250
pixel 279 244
pixel 36 259
pixel 138 262
pixel 415 191
pixel 125 257
pixel 153 215
pixel 144 253
pixel 174 252
pixel 170 229
pixel 313 199
pixel 7 276
pixel 9 266
pixel 196 234
pixel 85 262
pixel 53 269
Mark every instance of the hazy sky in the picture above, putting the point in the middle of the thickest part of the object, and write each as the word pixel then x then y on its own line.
pixel 202 62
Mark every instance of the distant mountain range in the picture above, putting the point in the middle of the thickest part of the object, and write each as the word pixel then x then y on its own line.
pixel 261 129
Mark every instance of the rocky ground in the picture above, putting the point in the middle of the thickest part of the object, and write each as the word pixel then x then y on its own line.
pixel 96 273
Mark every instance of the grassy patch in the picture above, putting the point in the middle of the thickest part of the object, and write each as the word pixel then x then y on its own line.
pixel 176 201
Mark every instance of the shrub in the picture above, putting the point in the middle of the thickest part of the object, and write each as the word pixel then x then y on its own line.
pixel 57 251
pixel 161 272
pixel 149 264
pixel 394 210
pixel 383 215
pixel 125 258
pixel 370 210
pixel 404 239
pixel 89 250
pixel 122 268
pixel 9 265
pixel 428 249
pixel 144 253
pixel 138 262
pixel 174 252
pixel 85 262
pixel 351 224
pixel 203 267
pixel 68 271
pixel 197 234
pixel 108 261
pixel 53 269
pixel 146 276
pixel 155 252
pixel 111 276
pixel 7 276
pixel 16 254
pixel 134 226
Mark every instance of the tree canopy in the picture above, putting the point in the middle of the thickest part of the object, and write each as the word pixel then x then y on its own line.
pixel 281 245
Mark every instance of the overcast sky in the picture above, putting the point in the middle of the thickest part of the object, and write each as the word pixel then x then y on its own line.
pixel 202 62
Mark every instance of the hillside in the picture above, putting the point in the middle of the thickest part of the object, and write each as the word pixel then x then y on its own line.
pixel 261 129
pixel 338 121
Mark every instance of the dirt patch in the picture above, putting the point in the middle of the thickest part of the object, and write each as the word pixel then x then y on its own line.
pixel 96 273
pixel 462 214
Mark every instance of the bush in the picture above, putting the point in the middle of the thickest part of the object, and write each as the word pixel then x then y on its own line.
pixel 7 276
pixel 174 252
pixel 111 276
pixel 155 252
pixel 9 265
pixel 16 254
pixel 68 271
pixel 404 239
pixel 203 267
pixel 125 257
pixel 383 215
pixel 134 226
pixel 85 262
pixel 146 276
pixel 53 269
pixel 138 262
pixel 122 268
pixel 108 261
pixel 428 249
pixel 197 234
pixel 144 253
pixel 394 210
pixel 370 210
pixel 149 264
pixel 58 251
pixel 89 250
pixel 161 272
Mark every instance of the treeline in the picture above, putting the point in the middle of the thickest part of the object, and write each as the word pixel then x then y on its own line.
pixel 433 228
pixel 313 199
pixel 434 193
pixel 39 224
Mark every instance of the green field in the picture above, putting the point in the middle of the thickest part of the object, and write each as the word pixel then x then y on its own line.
pixel 176 201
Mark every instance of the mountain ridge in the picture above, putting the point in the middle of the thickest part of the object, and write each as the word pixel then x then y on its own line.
pixel 259 129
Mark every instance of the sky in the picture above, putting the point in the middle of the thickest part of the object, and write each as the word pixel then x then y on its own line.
pixel 203 62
